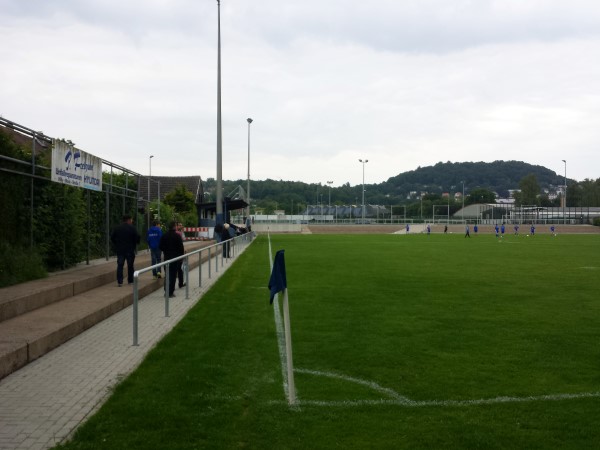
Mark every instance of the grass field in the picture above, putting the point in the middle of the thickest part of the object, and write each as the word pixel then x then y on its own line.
pixel 399 342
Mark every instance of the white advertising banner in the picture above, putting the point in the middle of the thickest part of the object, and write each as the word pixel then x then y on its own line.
pixel 75 167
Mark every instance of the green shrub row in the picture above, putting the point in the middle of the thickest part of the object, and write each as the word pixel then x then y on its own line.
pixel 19 265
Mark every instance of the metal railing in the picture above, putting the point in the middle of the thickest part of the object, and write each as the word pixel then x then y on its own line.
pixel 233 247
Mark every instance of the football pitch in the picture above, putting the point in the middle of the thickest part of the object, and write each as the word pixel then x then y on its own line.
pixel 399 341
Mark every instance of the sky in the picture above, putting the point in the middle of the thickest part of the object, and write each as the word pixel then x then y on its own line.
pixel 400 83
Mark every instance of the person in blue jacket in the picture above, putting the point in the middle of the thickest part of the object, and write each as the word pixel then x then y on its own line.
pixel 153 236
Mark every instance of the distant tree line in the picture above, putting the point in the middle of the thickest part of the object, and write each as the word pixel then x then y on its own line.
pixel 424 187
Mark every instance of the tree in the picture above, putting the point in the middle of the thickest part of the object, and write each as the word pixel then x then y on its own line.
pixel 480 195
pixel 530 191
pixel 180 199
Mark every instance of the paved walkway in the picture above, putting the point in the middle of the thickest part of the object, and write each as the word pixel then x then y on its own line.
pixel 44 402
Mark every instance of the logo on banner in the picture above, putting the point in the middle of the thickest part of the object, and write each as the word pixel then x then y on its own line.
pixel 75 167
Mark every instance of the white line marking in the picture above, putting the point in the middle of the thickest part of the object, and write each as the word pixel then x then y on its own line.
pixel 370 384
pixel 399 400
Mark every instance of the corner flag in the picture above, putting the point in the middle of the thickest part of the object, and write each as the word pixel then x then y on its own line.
pixel 278 281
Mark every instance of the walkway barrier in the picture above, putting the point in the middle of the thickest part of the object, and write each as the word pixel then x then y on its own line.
pixel 197 233
pixel 228 249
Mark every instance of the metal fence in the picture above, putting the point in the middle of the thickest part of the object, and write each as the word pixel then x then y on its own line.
pixel 37 173
pixel 226 250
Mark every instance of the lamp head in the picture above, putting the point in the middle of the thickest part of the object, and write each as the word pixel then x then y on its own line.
pixel 249 120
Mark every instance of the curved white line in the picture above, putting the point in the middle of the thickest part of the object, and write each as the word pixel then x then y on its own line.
pixel 370 384
pixel 400 400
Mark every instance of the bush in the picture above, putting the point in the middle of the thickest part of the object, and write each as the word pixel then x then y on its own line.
pixel 597 222
pixel 19 265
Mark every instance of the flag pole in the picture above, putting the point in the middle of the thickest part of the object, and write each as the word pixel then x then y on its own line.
pixel 277 284
pixel 288 349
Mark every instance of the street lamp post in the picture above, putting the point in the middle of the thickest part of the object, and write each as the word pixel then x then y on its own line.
pixel 363 188
pixel 329 183
pixel 149 176
pixel 565 201
pixel 248 192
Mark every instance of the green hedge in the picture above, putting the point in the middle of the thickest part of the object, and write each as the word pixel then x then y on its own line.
pixel 19 265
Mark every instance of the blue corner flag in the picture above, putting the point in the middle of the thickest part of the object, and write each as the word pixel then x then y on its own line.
pixel 278 281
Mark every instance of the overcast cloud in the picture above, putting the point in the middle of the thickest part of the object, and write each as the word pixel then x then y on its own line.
pixel 401 83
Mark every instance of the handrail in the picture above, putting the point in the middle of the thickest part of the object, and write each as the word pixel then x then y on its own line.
pixel 242 241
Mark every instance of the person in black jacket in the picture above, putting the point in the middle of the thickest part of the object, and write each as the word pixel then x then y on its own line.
pixel 225 236
pixel 171 245
pixel 125 239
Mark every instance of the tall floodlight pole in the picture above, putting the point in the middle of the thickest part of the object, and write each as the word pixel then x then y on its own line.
pixel 219 194
pixel 248 191
pixel 149 176
pixel 565 201
pixel 329 183
pixel 363 189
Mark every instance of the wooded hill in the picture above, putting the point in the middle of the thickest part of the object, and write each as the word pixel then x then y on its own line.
pixel 498 176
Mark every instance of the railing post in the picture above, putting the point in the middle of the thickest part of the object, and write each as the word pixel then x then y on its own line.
pixel 167 288
pixel 135 308
pixel 200 268
pixel 186 277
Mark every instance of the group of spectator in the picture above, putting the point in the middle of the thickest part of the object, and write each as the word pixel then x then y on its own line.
pixel 125 239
